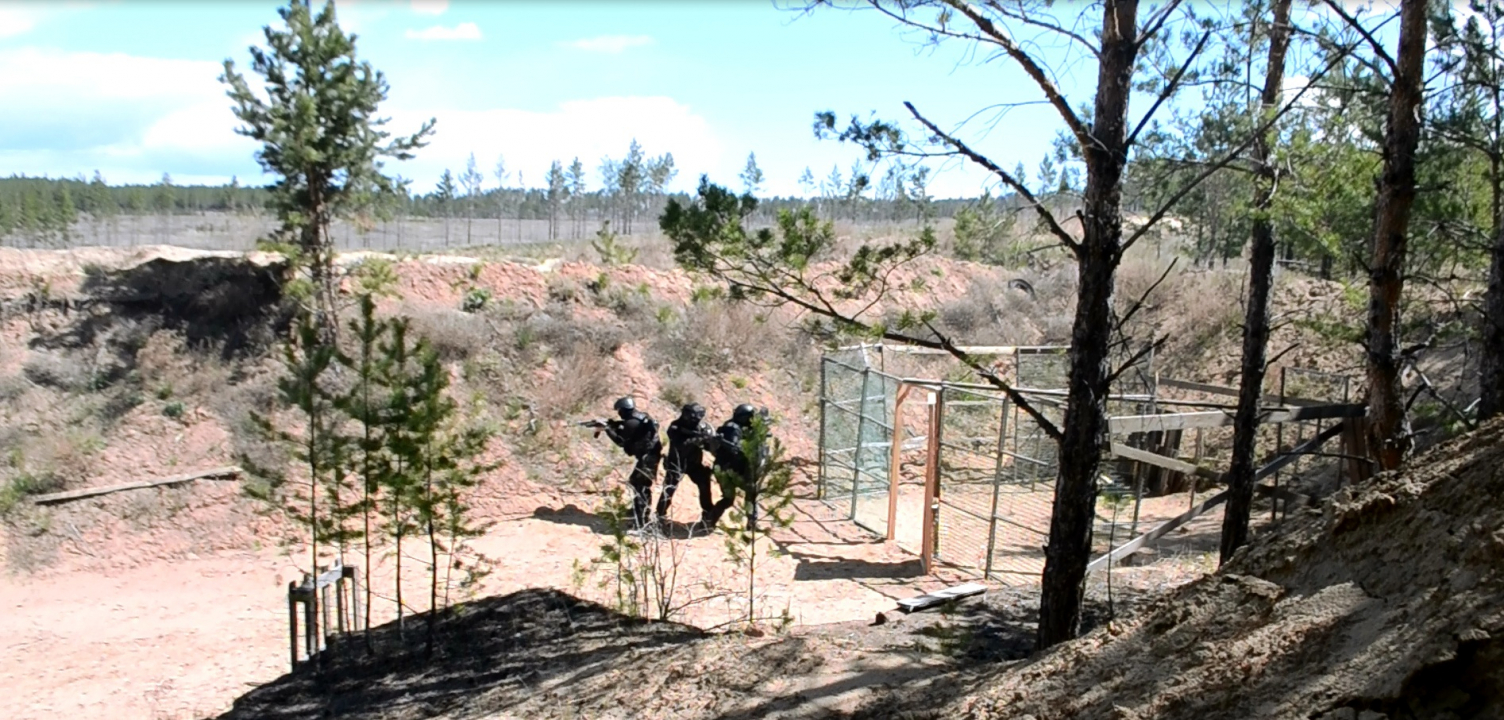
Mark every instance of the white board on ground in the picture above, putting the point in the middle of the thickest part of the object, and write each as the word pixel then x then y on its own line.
pixel 941 596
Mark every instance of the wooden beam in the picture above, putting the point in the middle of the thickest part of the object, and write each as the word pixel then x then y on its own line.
pixel 1233 392
pixel 1181 421
pixel 980 350
pixel 70 495
pixel 1144 456
pixel 1268 469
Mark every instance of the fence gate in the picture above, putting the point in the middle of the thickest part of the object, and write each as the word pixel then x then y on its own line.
pixel 856 434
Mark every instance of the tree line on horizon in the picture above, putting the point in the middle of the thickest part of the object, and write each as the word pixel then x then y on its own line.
pixel 46 211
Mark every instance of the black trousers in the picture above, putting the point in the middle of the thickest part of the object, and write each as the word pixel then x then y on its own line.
pixel 644 472
pixel 733 479
pixel 676 466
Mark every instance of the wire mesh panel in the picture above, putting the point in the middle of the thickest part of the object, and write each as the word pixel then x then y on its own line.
pixel 1028 462
pixel 872 479
pixel 840 408
pixel 970 425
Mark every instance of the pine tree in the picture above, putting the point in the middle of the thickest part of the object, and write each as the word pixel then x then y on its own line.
pixel 751 176
pixel 576 179
pixel 445 194
pixel 471 180
pixel 501 174
pixel 320 134
pixel 316 447
pixel 558 193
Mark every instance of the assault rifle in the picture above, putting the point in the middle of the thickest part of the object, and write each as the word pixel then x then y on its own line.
pixel 597 424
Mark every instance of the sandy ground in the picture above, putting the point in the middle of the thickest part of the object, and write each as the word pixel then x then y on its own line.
pixel 182 639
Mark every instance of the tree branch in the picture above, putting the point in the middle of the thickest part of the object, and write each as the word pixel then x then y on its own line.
pixel 1169 89
pixel 1003 40
pixel 1057 29
pixel 1226 159
pixel 1018 186
pixel 1352 22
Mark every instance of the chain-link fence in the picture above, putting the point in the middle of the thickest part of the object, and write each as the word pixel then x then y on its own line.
pixel 990 466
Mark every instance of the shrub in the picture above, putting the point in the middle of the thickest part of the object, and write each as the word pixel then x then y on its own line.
pixel 580 378
pixel 475 300
pixel 682 389
pixel 454 334
pixel 59 371
pixel 610 247
pixel 715 338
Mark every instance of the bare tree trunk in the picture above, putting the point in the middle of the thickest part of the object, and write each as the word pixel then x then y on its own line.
pixel 1389 430
pixel 1097 256
pixel 1491 365
pixel 1256 316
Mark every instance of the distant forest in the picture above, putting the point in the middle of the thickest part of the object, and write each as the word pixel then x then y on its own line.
pixel 40 212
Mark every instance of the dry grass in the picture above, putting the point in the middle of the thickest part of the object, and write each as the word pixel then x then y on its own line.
pixel 681 389
pixel 577 379
pixel 714 337
pixel 454 334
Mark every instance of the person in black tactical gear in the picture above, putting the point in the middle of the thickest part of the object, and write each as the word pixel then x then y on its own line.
pixel 686 456
pixel 732 460
pixel 637 434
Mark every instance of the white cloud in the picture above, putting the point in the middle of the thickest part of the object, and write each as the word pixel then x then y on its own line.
pixel 63 113
pixel 28 72
pixel 587 129
pixel 430 7
pixel 612 44
pixel 15 21
pixel 462 31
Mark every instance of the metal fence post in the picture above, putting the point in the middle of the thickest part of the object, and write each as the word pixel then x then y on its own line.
pixel 820 476
pixel 997 484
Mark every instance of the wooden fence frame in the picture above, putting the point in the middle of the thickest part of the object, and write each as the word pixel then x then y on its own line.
pixel 313 595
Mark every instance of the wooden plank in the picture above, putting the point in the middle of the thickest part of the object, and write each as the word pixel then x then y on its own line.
pixel 1268 469
pixel 325 579
pixel 1156 532
pixel 979 350
pixel 1277 463
pixel 1233 392
pixel 1144 456
pixel 940 597
pixel 70 495
pixel 1181 421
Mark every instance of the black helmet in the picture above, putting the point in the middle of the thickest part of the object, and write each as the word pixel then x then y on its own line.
pixel 625 407
pixel 694 411
pixel 743 413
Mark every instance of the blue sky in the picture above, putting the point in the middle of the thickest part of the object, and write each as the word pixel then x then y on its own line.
pixel 129 87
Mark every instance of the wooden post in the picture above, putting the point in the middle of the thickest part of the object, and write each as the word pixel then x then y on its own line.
pixel 1355 447
pixel 931 486
pixel 323 593
pixel 311 623
pixel 354 578
pixel 292 622
pixel 339 605
pixel 896 456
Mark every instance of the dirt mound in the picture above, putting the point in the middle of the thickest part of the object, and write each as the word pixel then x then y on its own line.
pixel 1389 602
pixel 494 650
